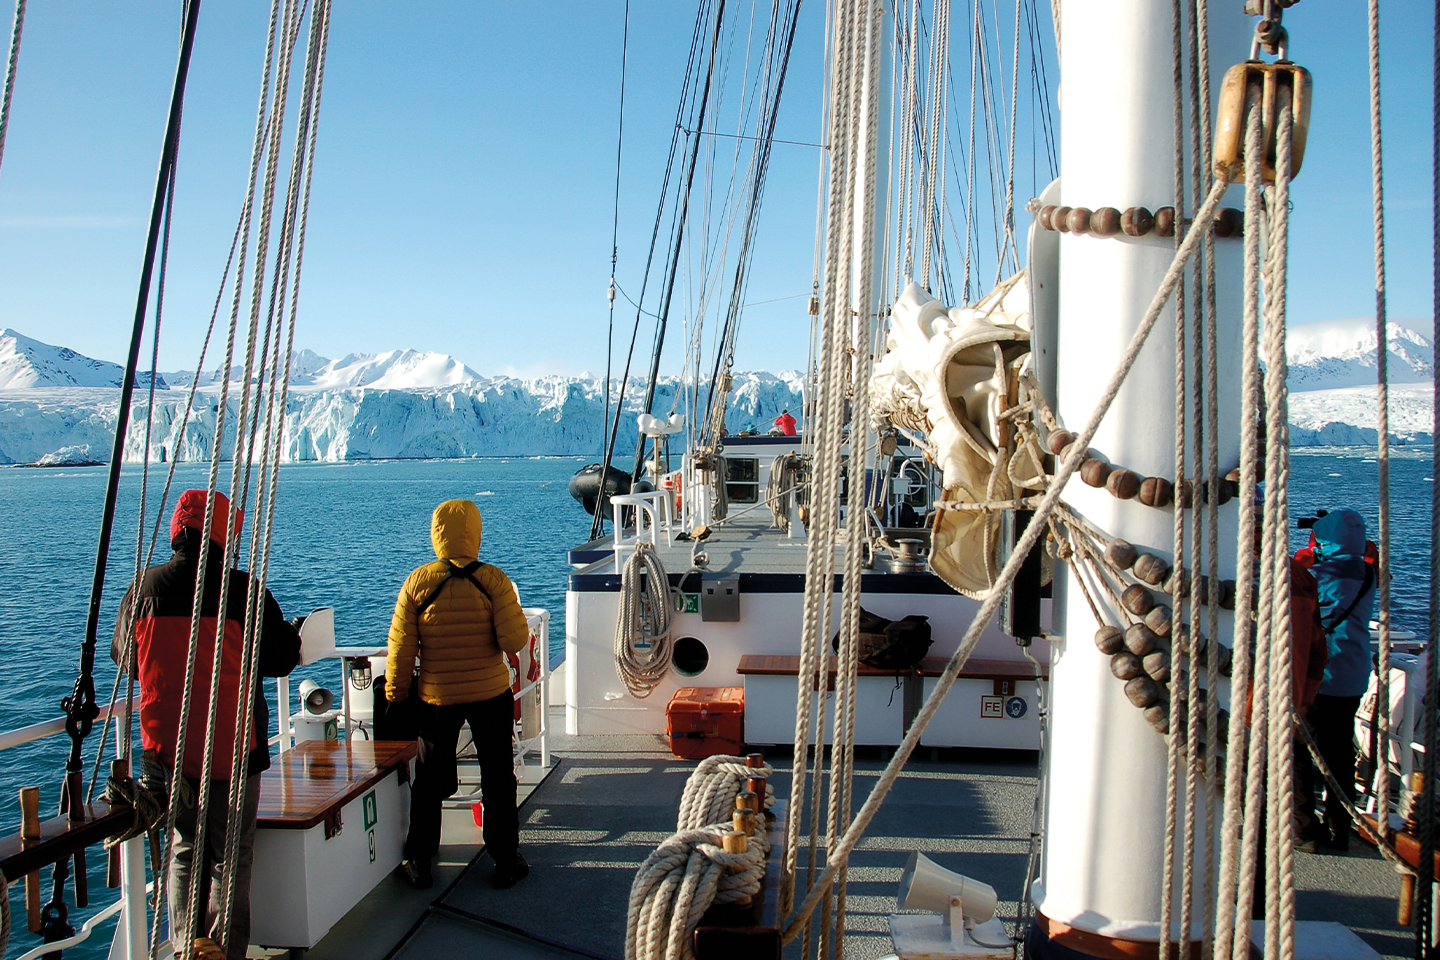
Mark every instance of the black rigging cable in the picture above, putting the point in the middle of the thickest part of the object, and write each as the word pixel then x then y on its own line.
pixel 598 523
pixel 80 708
pixel 615 223
pixel 674 265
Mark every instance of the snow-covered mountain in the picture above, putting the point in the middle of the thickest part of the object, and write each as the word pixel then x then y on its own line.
pixel 29 363
pixel 59 406
pixel 1332 382
pixel 399 404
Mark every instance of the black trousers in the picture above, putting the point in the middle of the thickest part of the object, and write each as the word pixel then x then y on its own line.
pixel 1332 721
pixel 492 723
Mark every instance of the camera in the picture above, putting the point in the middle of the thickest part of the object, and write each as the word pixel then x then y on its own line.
pixel 1305 523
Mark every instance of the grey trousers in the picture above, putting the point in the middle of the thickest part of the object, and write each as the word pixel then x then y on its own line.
pixel 212 888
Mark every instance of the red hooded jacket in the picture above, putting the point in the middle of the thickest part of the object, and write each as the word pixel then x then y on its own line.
pixel 157 616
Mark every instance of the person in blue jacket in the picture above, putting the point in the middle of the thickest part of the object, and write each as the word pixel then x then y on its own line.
pixel 1346 583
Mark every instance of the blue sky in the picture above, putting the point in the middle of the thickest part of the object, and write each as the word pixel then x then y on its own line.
pixel 464 187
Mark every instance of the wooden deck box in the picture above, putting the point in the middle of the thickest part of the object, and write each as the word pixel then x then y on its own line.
pixel 332 822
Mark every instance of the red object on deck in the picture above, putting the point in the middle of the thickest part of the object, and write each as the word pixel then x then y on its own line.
pixel 705 721
pixel 477 810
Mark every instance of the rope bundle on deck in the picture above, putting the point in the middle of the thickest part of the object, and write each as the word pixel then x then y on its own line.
pixel 647 614
pixel 711 790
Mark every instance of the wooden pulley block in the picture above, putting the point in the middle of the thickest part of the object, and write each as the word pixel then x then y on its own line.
pixel 1151 569
pixel 1095 472
pixel 1158 619
pixel 1109 640
pixel 1125 665
pixel 1157 665
pixel 1142 691
pixel 1121 553
pixel 1279 82
pixel 1140 639
pixel 1137 600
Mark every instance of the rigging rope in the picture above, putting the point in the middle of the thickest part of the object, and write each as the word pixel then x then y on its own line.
pixel 10 81
pixel 1380 720
pixel 646 619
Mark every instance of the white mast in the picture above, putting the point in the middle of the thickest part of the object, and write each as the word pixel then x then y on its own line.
pixel 1105 832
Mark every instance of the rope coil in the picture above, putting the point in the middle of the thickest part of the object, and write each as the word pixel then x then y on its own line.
pixel 646 620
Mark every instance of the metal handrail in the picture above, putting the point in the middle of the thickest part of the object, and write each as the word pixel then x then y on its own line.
pixel 48 728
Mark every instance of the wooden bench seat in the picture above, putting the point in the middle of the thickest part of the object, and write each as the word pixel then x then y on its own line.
pixel 306 784
pixel 767 665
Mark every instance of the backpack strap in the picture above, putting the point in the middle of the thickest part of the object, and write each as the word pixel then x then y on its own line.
pixel 1364 589
pixel 452 572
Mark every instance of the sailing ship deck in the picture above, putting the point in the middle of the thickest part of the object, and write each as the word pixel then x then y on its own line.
pixel 610 800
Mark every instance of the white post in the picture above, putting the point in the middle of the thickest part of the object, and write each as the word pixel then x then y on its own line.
pixel 132 933
pixel 544 689
pixel 1103 869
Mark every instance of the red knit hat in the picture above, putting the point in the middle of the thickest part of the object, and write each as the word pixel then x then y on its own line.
pixel 190 512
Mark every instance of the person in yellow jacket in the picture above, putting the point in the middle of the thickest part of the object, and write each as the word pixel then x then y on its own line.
pixel 459 617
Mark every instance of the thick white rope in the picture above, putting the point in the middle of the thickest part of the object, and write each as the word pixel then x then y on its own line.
pixel 1227 909
pixel 819 556
pixel 647 616
pixel 710 790
pixel 180 792
pixel 1032 534
pixel 1280 915
pixel 1380 721
pixel 680 880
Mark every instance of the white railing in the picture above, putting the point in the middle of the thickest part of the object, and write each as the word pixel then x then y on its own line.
pixel 48 728
pixel 647 521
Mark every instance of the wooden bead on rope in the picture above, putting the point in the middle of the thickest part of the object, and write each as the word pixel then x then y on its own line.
pixel 1095 472
pixel 1105 222
pixel 1158 619
pixel 1158 716
pixel 1121 553
pixel 1151 569
pixel 1177 584
pixel 1125 665
pixel 1140 639
pixel 1142 691
pixel 1059 440
pixel 1165 222
pixel 1060 219
pixel 1137 221
pixel 1137 600
pixel 1157 665
pixel 1043 217
pixel 1157 492
pixel 1229 222
pixel 1078 220
pixel 1109 640
pixel 1124 484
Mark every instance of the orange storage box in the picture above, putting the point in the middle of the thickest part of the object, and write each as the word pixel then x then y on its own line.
pixel 704 721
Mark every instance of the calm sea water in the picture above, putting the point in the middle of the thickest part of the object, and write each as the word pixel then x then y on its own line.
pixel 347 534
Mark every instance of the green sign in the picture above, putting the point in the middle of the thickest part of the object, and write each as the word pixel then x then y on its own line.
pixel 371 809
pixel 692 603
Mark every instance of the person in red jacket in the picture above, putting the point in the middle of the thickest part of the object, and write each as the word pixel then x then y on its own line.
pixel 153 628
pixel 786 423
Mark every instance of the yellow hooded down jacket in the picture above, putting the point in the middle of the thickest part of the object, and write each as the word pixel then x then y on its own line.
pixel 459 638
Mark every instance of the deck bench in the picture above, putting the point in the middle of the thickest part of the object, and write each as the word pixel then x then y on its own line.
pixel 331 826
pixel 993 703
